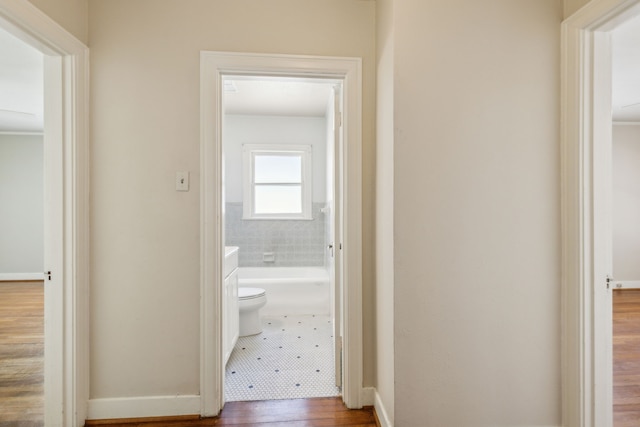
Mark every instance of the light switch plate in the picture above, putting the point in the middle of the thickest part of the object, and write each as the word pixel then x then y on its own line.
pixel 182 181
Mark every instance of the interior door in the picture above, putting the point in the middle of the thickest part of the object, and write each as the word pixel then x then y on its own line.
pixel 335 254
pixel 53 242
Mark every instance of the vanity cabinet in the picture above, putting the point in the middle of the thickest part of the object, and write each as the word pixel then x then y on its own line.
pixel 230 308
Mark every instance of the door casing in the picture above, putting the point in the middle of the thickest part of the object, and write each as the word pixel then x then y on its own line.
pixel 213 66
pixel 587 357
pixel 66 235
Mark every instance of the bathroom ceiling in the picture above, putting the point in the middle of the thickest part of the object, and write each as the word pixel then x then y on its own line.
pixel 276 97
pixel 21 86
pixel 626 72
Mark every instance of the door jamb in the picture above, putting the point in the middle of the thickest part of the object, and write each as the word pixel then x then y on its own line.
pixel 585 138
pixel 66 66
pixel 213 65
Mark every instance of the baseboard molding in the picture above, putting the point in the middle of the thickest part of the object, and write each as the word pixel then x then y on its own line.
pixel 381 412
pixel 20 277
pixel 143 407
pixel 626 284
pixel 367 396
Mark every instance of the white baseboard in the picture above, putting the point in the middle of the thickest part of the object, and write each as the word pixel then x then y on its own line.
pixel 367 396
pixel 16 277
pixel 381 412
pixel 626 284
pixel 142 407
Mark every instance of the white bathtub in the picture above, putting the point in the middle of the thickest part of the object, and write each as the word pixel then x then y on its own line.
pixel 290 290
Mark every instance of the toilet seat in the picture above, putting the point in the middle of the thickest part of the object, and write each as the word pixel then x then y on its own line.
pixel 250 293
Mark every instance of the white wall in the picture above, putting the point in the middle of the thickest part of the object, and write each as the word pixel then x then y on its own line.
pixel 145 237
pixel 571 6
pixel 73 15
pixel 240 129
pixel 626 202
pixel 21 204
pixel 476 212
pixel 385 211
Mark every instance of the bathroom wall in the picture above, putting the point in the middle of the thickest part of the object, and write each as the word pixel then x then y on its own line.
pixel 294 242
pixel 626 202
pixel 21 205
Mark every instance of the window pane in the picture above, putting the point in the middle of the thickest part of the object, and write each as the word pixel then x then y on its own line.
pixel 277 199
pixel 277 169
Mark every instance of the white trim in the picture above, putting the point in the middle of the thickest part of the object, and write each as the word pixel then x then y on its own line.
pixel 367 396
pixel 249 151
pixel 66 296
pixel 626 123
pixel 10 277
pixel 213 66
pixel 586 238
pixel 143 407
pixel 19 133
pixel 626 284
pixel 381 411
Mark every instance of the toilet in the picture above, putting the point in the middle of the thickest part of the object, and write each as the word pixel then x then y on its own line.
pixel 251 300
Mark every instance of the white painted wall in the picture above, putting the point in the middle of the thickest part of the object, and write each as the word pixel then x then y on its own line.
pixel 476 212
pixel 21 204
pixel 240 129
pixel 626 202
pixel 73 15
pixel 145 257
pixel 385 211
pixel 571 6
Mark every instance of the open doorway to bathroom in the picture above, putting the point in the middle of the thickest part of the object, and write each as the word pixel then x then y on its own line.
pixel 281 201
pixel 215 67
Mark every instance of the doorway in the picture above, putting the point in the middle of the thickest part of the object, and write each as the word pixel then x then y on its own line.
pixel 586 210
pixel 281 219
pixel 66 232
pixel 21 228
pixel 215 67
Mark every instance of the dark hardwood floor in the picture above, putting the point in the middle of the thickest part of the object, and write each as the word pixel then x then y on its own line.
pixel 319 412
pixel 21 354
pixel 626 358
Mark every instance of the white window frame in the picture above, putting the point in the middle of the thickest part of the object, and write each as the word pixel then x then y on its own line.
pixel 249 151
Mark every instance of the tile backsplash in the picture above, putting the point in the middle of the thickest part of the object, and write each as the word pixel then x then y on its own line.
pixel 293 243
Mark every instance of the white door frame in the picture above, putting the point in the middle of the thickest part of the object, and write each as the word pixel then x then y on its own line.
pixel 66 158
pixel 214 65
pixel 587 356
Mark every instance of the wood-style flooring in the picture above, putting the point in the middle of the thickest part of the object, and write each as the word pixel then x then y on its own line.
pixel 319 412
pixel 21 354
pixel 21 373
pixel 626 358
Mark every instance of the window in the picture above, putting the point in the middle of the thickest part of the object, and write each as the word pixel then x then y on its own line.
pixel 277 181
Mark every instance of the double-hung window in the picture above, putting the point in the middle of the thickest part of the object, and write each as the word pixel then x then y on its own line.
pixel 277 181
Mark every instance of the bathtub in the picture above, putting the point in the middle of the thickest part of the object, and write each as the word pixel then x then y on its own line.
pixel 290 290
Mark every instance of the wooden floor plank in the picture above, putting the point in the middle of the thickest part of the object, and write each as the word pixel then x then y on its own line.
pixel 319 412
pixel 21 354
pixel 626 358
